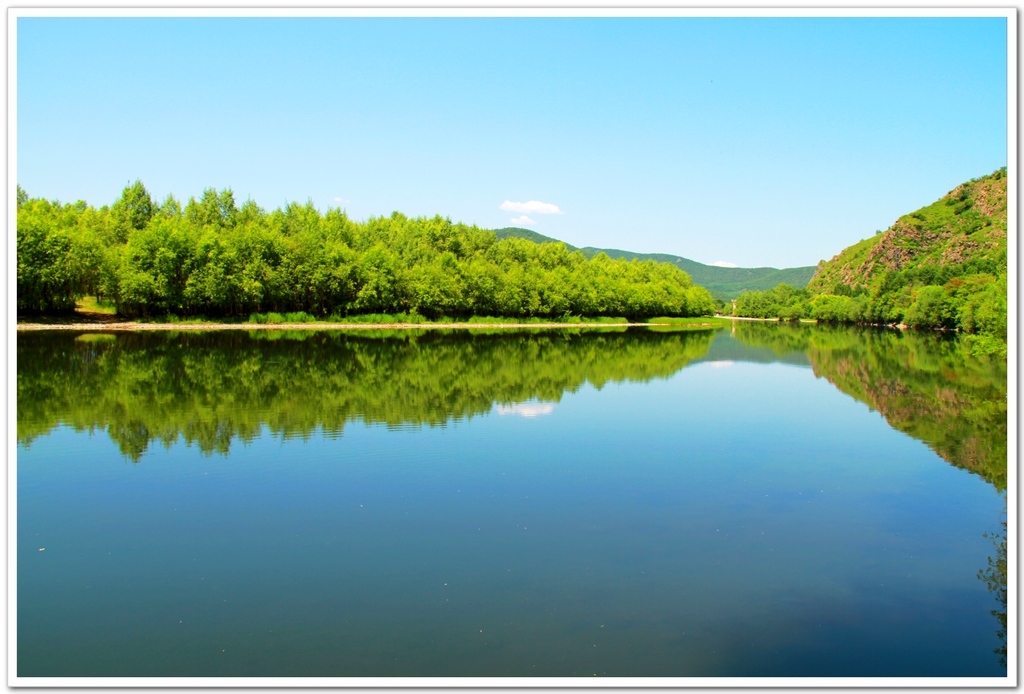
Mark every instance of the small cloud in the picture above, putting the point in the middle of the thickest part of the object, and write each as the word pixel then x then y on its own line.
pixel 522 220
pixel 337 199
pixel 724 263
pixel 720 364
pixel 533 206
pixel 526 409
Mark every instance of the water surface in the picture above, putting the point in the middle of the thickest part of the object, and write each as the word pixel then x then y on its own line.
pixel 763 501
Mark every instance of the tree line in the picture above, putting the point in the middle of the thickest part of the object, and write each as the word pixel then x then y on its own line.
pixel 948 297
pixel 213 258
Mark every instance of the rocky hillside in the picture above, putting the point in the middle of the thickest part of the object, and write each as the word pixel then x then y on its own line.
pixel 967 226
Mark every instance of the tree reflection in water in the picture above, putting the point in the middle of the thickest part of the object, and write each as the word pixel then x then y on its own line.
pixel 994 576
pixel 926 384
pixel 218 387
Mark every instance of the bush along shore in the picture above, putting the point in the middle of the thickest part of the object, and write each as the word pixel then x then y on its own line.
pixel 214 258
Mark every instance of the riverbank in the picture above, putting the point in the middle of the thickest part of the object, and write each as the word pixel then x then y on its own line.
pixel 897 326
pixel 131 326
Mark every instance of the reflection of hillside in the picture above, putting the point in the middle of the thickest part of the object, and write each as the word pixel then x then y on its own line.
pixel 210 388
pixel 925 384
pixel 994 577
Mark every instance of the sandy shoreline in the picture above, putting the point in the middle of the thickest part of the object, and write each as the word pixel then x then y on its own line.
pixel 133 326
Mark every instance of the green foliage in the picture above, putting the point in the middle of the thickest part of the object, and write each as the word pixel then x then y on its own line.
pixel 963 233
pixel 783 301
pixel 59 254
pixel 834 308
pixel 930 308
pixel 214 258
pixel 943 266
pixel 132 211
pixel 529 235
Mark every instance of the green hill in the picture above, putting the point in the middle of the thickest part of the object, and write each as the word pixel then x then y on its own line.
pixel 722 282
pixel 943 266
pixel 520 233
pixel 965 229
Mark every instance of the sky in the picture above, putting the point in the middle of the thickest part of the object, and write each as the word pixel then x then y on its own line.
pixel 749 141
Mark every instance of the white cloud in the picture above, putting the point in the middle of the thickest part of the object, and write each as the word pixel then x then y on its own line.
pixel 526 409
pixel 720 364
pixel 337 199
pixel 522 220
pixel 724 263
pixel 534 206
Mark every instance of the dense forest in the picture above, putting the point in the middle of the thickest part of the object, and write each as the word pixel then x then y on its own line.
pixel 211 257
pixel 943 266
pixel 214 388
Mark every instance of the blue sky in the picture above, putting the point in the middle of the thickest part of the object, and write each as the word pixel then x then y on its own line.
pixel 759 141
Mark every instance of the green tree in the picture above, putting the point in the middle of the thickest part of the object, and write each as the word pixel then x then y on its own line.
pixel 132 211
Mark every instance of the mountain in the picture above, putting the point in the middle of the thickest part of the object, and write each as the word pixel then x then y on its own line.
pixel 965 228
pixel 529 235
pixel 722 282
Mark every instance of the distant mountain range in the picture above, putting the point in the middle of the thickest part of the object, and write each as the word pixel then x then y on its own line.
pixel 723 282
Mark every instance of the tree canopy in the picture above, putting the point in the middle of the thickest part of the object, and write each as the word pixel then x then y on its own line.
pixel 214 258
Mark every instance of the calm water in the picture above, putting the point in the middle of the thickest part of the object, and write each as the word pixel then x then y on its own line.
pixel 768 501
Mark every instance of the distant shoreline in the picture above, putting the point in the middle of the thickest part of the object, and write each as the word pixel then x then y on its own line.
pixel 772 320
pixel 133 326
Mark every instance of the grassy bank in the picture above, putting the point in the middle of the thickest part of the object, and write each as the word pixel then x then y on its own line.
pixel 89 313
